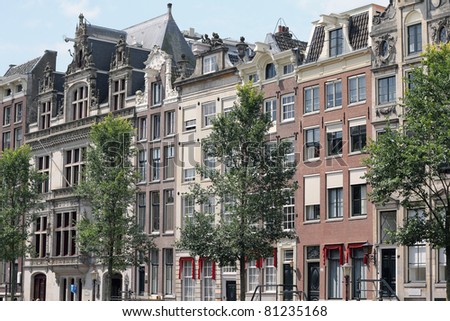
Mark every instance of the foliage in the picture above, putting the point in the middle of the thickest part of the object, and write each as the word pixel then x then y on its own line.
pixel 19 197
pixel 252 190
pixel 112 234
pixel 412 163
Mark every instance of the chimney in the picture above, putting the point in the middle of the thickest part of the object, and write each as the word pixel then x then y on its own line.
pixel 169 8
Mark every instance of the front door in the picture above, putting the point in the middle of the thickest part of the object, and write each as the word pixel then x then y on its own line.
pixel 40 281
pixel 288 281
pixel 388 270
pixel 231 290
pixel 313 281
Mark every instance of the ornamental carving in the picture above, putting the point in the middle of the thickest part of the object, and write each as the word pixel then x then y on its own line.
pixel 387 14
pixel 121 56
pixel 215 41
pixel 440 30
pixel 82 57
pixel 384 50
pixel 386 111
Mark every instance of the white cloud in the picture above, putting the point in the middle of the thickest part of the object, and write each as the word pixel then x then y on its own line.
pixel 72 8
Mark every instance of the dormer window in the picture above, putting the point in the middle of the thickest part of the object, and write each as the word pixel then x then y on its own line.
pixel 209 64
pixel 79 104
pixel 156 93
pixel 336 42
pixel 118 94
pixel 270 71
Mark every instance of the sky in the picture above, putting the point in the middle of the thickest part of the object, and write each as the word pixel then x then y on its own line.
pixel 29 27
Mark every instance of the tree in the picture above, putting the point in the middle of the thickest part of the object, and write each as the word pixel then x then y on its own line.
pixel 412 164
pixel 253 189
pixel 112 235
pixel 19 197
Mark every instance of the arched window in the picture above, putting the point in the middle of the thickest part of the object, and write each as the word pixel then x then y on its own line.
pixel 270 71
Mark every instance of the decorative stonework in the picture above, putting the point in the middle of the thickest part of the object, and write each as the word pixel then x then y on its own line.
pixel 384 50
pixel 214 42
pixel 387 14
pixel 386 111
pixel 47 82
pixel 440 30
pixel 82 56
pixel 121 56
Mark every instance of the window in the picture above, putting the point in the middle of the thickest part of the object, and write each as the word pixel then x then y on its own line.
pixel 289 214
pixel 336 42
pixel 6 140
pixel 8 92
pixel 141 280
pixel 312 212
pixel 287 69
pixel 169 162
pixel 189 118
pixel 156 93
pixel 65 234
pixel 209 64
pixel 188 163
pixel 156 164
pixel 118 94
pixel 188 208
pixel 416 263
pixel 312 143
pixel 312 99
pixel 189 174
pixel 168 214
pixel 388 223
pixel 334 94
pixel 312 197
pixel 270 274
pixel 334 274
pixel 18 113
pixel 359 199
pixel 188 285
pixel 45 115
pixel 270 108
pixel 358 138
pixel 334 194
pixel 414 39
pixel 208 281
pixel 79 106
pixel 442 35
pixel 209 165
pixel 170 122
pixel 18 137
pixel 40 237
pixel 253 77
pixel 154 214
pixel 156 126
pixel 442 272
pixel 288 107
pixel 209 112
pixel 289 157
pixel 7 116
pixel 209 206
pixel 168 271
pixel 356 89
pixel 270 71
pixel 227 208
pixel 141 210
pixel 386 90
pixel 74 164
pixel 43 167
pixel 142 128
pixel 358 272
pixel 334 140
pixel 142 159
pixel 154 264
pixel 253 275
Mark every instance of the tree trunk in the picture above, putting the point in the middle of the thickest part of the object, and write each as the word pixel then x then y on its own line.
pixel 243 278
pixel 109 281
pixel 12 279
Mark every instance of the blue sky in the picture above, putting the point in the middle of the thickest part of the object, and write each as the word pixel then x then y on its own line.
pixel 29 27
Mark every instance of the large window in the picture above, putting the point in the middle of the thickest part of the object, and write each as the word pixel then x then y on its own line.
pixel 270 274
pixel 168 271
pixel 40 237
pixel 188 208
pixel 207 281
pixel 442 264
pixel 79 105
pixel 73 166
pixel 359 199
pixel 208 112
pixel 358 135
pixel 118 94
pixel 155 211
pixel 356 89
pixel 156 93
pixel 388 223
pixel 169 162
pixel 417 252
pixel 142 166
pixel 18 113
pixel 270 71
pixel 156 164
pixel 358 272
pixel 45 115
pixel 142 128
pixel 312 197
pixel 386 90
pixel 209 165
pixel 65 234
pixel 334 93
pixel 415 39
pixel 168 214
pixel 336 42
pixel 270 108
pixel 170 122
pixel 334 140
pixel 312 99
pixel 188 282
pixel 335 203
pixel 289 214
pixel 154 269
pixel 18 137
pixel 43 166
pixel 288 107
pixel 6 140
pixel 7 116
pixel 141 210
pixel 189 118
pixel 312 143
pixel 209 64
pixel 253 275
pixel 334 274
pixel 156 126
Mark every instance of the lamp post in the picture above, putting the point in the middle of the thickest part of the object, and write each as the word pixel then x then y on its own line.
pixel 346 271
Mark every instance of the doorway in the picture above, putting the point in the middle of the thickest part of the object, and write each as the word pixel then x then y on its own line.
pixel 40 281
pixel 388 268
pixel 230 290
pixel 313 281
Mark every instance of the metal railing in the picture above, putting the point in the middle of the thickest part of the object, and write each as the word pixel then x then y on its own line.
pixel 285 291
pixel 380 287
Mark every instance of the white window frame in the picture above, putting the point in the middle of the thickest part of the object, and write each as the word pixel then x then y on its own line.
pixel 333 94
pixel 208 113
pixel 270 107
pixel 311 105
pixel 210 64
pixel 357 89
pixel 288 107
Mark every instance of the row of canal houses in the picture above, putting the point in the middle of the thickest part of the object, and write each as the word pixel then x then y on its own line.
pixel 328 96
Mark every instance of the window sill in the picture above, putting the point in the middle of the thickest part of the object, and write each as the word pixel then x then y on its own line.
pixel 309 222
pixel 170 135
pixel 359 152
pixel 310 160
pixel 358 217
pixel 168 233
pixel 142 140
pixel 156 140
pixel 156 105
pixel 333 108
pixel 356 103
pixel 289 120
pixel 170 179
pixel 156 181
pixel 416 285
pixel 141 183
pixel 333 156
pixel 332 220
pixel 189 130
pixel 155 233
pixel 311 113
